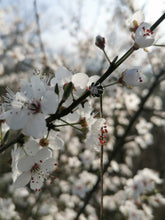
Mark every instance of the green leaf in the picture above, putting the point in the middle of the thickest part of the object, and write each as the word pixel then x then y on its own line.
pixel 67 91
pixel 56 89
pixel 6 136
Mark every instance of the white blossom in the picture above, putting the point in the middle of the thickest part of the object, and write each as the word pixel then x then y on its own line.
pixel 144 37
pixel 35 169
pixel 27 109
pixel 79 188
pixel 131 77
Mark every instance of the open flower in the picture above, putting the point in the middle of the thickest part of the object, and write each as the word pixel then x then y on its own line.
pixel 131 78
pixel 27 109
pixel 144 37
pixel 35 169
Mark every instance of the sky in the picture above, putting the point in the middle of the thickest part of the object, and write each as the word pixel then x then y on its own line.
pixel 93 17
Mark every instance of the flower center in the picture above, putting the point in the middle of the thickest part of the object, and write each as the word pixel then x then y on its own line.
pixel 35 106
pixel 35 168
pixel 147 32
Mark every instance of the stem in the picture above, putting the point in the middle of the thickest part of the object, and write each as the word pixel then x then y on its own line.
pixel 24 151
pixel 70 125
pixel 47 134
pixel 101 179
pixel 107 56
pixel 159 45
pixel 62 125
pixel 101 164
pixel 111 84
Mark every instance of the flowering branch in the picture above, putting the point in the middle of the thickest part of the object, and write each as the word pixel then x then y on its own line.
pixel 119 144
pixel 75 103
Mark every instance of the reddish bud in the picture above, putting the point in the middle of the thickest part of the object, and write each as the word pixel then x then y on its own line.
pixel 100 42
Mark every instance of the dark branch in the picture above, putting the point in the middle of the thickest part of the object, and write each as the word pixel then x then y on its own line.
pixel 15 140
pixel 157 22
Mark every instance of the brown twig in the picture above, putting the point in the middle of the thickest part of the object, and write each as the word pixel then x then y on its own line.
pixel 39 32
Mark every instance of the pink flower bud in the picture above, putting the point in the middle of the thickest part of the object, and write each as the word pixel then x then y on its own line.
pixel 100 42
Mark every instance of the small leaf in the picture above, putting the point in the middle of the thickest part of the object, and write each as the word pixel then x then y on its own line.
pixel 115 59
pixel 67 91
pixel 56 89
pixel 6 136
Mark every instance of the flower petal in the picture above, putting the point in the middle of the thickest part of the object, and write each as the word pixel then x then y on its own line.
pixel 22 180
pixel 62 76
pixel 42 155
pixel 36 181
pixel 80 80
pixel 17 119
pixel 50 102
pixel 36 126
pixel 48 166
pixel 31 147
pixel 37 86
pixel 92 79
pixel 26 163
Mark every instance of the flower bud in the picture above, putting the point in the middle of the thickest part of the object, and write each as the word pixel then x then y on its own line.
pixel 100 42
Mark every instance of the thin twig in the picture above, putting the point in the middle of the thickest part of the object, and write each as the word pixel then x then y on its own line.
pixel 15 140
pixel 101 164
pixel 39 31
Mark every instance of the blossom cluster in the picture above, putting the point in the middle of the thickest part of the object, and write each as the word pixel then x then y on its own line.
pixel 73 142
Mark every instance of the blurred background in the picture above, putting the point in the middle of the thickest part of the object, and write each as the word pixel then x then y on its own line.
pixel 40 36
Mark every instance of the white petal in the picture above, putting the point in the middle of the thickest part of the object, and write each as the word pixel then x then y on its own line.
pixel 5 115
pixel 48 166
pixel 42 155
pixel 31 147
pixel 131 77
pixel 22 180
pixel 50 102
pixel 26 163
pixel 59 143
pixel 17 119
pixel 36 126
pixel 92 79
pixel 38 87
pixel 36 181
pixel 62 76
pixel 80 80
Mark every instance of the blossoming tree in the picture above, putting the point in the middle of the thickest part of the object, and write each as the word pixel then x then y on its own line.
pixel 85 130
